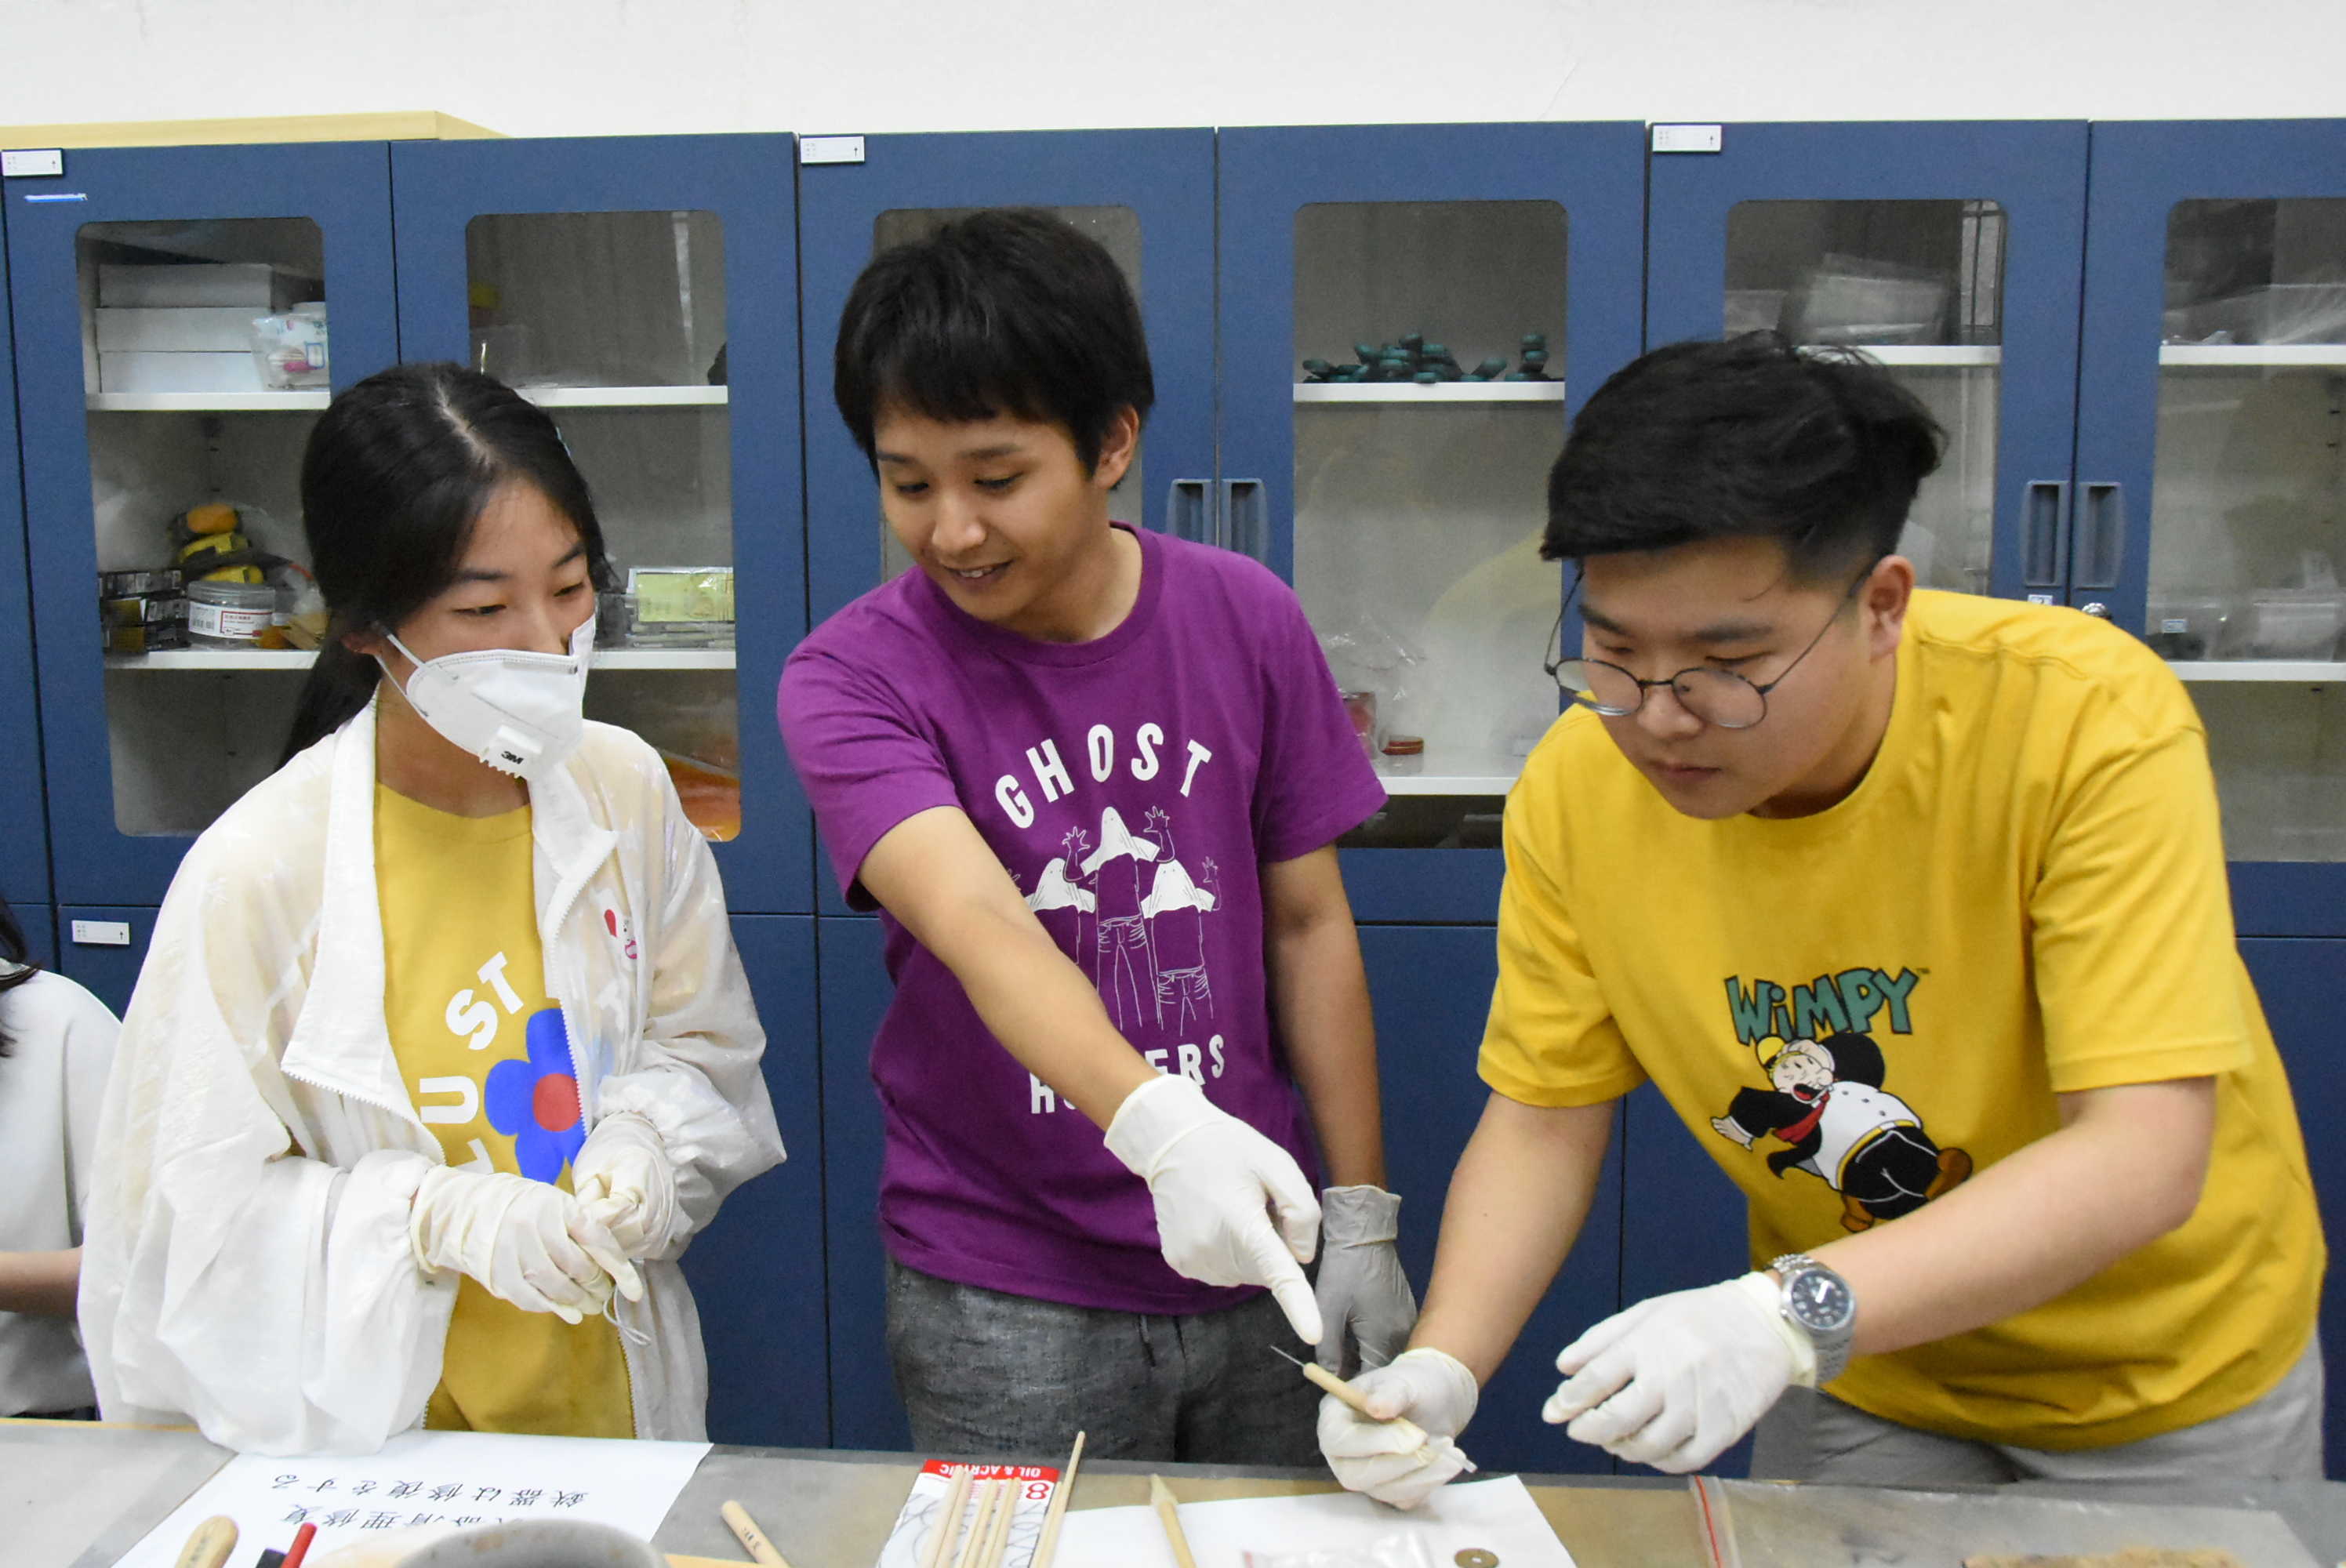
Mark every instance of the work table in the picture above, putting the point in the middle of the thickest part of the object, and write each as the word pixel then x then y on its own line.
pixel 78 1494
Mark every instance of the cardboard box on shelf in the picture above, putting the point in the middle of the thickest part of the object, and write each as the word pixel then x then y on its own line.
pixel 137 372
pixel 183 330
pixel 206 283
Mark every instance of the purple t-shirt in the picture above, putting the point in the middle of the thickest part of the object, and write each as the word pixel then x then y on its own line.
pixel 1132 786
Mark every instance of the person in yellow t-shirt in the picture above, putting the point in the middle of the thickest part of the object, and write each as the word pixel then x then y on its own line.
pixel 1914 907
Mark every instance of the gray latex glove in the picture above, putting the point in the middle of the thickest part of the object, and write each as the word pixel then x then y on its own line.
pixel 1365 1301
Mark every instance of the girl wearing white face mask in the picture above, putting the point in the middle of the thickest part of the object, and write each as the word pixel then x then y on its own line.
pixel 441 1051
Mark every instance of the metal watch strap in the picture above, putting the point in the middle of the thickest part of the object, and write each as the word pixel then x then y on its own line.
pixel 1832 1354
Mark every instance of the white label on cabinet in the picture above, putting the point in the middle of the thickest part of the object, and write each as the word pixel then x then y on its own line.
pixel 2174 628
pixel 1686 139
pixel 2040 598
pixel 29 163
pixel 102 932
pixel 831 149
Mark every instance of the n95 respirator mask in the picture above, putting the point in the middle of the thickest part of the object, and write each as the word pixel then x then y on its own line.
pixel 521 713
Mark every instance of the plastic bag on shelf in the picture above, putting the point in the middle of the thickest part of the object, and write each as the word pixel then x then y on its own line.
pixel 290 349
pixel 1368 658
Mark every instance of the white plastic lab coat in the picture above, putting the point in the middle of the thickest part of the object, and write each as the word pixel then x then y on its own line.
pixel 246 1262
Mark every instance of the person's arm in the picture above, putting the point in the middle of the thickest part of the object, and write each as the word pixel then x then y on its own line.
pixel 1320 999
pixel 1517 1200
pixel 941 880
pixel 40 1283
pixel 2124 1169
pixel 1217 1183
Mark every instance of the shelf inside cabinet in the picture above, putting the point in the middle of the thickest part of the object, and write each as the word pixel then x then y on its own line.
pixel 1926 355
pixel 209 402
pixel 298 659
pixel 1441 391
pixel 2273 356
pixel 1477 776
pixel 2314 672
pixel 625 397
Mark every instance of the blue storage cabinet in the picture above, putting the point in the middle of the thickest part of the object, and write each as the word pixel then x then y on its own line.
pixel 197 722
pixel 756 1272
pixel 25 849
pixel 865 1412
pixel 1368 236
pixel 2208 436
pixel 2303 984
pixel 1430 985
pixel 603 249
pixel 1711 266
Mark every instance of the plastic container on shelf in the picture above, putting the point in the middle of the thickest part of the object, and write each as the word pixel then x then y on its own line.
pixel 2296 623
pixel 230 614
pixel 1404 756
pixel 2191 626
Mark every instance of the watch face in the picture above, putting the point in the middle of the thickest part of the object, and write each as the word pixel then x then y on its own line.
pixel 1820 1300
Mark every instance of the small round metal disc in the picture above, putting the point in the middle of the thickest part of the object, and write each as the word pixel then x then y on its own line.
pixel 1476 1557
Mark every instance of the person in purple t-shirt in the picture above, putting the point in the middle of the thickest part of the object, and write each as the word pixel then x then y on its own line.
pixel 1092 777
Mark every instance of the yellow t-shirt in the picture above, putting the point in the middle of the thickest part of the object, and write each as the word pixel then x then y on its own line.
pixel 1853 1011
pixel 486 1061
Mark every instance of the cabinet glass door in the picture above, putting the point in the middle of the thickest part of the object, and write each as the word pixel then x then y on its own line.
pixel 1949 252
pixel 196 436
pixel 1917 286
pixel 2247 516
pixel 182 316
pixel 1425 418
pixel 614 324
pixel 1409 316
pixel 644 292
pixel 2209 470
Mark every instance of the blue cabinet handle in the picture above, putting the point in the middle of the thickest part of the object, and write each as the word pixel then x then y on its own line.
pixel 1189 510
pixel 2043 533
pixel 1246 517
pixel 2101 534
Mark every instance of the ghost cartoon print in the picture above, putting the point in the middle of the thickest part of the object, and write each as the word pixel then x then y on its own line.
pixel 1825 1104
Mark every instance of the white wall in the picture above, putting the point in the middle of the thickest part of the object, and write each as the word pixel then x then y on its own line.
pixel 556 67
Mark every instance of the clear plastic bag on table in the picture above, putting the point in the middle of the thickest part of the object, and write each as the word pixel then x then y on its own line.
pixel 1386 1552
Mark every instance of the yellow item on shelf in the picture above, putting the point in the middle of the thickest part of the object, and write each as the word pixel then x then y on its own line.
pixel 211 519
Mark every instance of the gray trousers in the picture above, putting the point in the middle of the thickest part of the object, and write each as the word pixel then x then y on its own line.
pixel 1813 1436
pixel 989 1375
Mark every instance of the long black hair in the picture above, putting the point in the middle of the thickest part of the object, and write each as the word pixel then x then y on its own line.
pixel 395 473
pixel 16 952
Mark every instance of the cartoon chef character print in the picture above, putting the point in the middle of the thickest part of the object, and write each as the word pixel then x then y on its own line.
pixel 1826 1104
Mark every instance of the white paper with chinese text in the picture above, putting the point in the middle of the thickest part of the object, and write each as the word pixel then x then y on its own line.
pixel 430 1478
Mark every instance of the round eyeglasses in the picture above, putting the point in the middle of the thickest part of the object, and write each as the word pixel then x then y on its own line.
pixel 1714 696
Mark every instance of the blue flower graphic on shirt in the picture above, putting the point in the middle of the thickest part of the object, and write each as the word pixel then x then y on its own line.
pixel 535 1102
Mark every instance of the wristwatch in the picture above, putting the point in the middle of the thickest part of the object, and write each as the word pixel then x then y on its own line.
pixel 1821 1305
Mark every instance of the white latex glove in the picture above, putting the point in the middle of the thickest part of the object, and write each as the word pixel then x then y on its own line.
pixel 1214 1179
pixel 1363 1293
pixel 623 1180
pixel 1423 1400
pixel 526 1241
pixel 1671 1381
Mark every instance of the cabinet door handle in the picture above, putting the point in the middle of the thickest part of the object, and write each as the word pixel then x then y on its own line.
pixel 2043 533
pixel 2101 533
pixel 1189 510
pixel 1246 517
